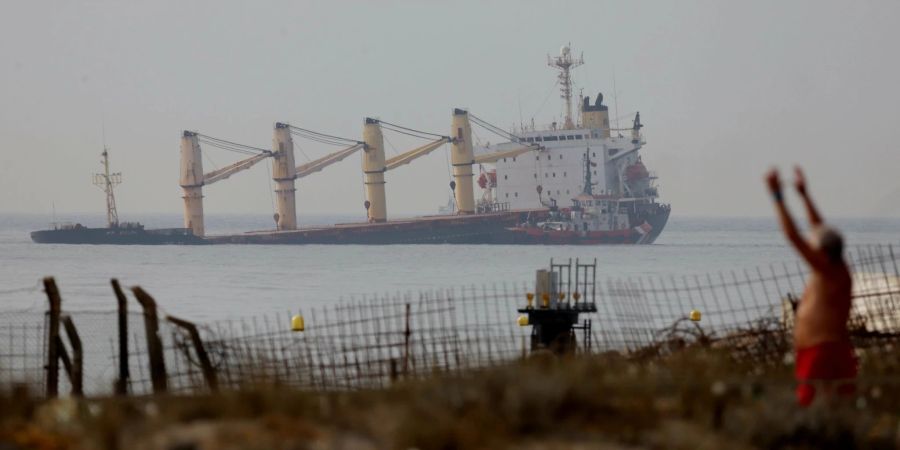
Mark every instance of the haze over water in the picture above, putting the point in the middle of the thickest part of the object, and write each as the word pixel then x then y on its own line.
pixel 231 281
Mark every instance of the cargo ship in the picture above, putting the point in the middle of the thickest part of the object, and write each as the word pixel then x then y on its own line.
pixel 579 181
pixel 118 233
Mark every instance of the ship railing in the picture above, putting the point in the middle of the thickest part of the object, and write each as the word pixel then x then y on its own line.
pixel 484 208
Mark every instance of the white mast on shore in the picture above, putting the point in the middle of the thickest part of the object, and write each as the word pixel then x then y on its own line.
pixel 107 181
pixel 564 63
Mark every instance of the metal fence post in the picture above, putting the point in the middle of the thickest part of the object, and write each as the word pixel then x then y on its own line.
pixel 122 382
pixel 76 373
pixel 209 374
pixel 406 335
pixel 52 337
pixel 154 343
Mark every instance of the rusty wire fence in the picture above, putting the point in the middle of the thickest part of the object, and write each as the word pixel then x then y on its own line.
pixel 371 342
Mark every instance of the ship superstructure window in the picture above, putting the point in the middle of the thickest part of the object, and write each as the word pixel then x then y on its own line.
pixel 560 156
pixel 517 194
pixel 613 151
pixel 550 138
pixel 564 174
pixel 578 137
pixel 529 139
pixel 505 177
pixel 535 175
pixel 548 157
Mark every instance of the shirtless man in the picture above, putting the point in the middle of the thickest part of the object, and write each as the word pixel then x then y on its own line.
pixel 824 354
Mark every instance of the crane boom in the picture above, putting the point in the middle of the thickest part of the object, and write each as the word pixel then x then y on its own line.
pixel 325 161
pixel 227 171
pixel 409 156
pixel 493 157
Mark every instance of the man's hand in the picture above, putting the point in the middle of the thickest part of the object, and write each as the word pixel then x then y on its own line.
pixel 773 181
pixel 799 180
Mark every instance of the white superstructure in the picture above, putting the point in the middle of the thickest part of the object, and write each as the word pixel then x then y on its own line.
pixel 555 174
pixel 558 169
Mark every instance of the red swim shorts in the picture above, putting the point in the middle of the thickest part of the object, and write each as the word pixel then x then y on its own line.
pixel 831 366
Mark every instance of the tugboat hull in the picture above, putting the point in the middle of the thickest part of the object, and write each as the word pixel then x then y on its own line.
pixel 645 233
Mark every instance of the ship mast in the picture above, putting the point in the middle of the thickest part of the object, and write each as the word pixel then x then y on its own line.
pixel 564 63
pixel 107 181
pixel 588 182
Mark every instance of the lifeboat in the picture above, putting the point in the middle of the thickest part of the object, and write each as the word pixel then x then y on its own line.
pixel 636 171
pixel 488 179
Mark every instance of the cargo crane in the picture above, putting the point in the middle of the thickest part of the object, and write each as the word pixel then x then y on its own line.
pixel 193 179
pixel 285 172
pixel 462 158
pixel 374 165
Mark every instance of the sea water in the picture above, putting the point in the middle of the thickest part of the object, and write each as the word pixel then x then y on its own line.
pixel 206 283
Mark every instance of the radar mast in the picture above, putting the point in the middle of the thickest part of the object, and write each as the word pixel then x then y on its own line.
pixel 107 181
pixel 564 63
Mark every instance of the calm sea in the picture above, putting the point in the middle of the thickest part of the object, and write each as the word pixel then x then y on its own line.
pixel 217 282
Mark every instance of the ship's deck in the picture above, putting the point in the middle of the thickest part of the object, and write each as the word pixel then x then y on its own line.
pixel 437 228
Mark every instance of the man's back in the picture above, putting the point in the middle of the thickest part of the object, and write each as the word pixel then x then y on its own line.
pixel 825 307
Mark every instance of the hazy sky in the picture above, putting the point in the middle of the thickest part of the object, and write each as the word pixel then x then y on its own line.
pixel 725 89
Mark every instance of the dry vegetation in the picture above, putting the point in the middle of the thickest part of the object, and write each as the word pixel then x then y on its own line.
pixel 694 398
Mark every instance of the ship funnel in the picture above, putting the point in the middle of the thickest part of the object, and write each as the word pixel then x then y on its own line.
pixel 596 116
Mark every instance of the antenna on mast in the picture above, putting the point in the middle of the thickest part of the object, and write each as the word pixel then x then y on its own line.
pixel 564 63
pixel 107 181
pixel 615 97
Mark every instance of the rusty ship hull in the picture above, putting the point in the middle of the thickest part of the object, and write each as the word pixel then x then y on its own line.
pixel 490 228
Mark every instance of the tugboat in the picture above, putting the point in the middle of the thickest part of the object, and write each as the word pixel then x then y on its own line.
pixel 599 219
pixel 119 233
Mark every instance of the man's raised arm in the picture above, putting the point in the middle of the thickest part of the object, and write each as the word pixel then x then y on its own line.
pixel 787 222
pixel 800 183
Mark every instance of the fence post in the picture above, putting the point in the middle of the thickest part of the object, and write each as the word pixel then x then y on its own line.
pixel 209 374
pixel 63 356
pixel 154 344
pixel 406 335
pixel 122 381
pixel 76 373
pixel 52 337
